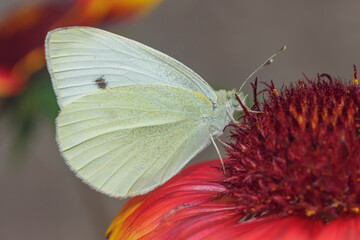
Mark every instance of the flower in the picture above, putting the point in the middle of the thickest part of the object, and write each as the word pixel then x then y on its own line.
pixel 292 173
pixel 25 91
pixel 22 32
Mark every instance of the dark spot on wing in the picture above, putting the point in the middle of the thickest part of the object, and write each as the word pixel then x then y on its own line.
pixel 101 83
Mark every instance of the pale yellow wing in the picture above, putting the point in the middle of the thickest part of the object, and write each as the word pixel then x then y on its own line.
pixel 128 140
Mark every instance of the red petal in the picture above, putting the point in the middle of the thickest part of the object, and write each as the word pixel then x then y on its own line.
pixel 342 228
pixel 182 208
pixel 286 228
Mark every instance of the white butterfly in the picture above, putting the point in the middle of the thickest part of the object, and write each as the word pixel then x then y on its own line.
pixel 131 117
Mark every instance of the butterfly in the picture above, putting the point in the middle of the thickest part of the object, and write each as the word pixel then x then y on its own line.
pixel 130 116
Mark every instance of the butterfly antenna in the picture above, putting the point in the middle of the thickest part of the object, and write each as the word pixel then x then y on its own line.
pixel 267 62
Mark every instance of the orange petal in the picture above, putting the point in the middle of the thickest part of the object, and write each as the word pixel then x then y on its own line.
pixel 95 11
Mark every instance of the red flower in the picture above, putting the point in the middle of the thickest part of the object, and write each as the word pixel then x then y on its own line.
pixel 22 32
pixel 292 173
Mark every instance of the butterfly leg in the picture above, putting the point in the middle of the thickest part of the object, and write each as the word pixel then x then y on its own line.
pixel 218 152
pixel 231 116
pixel 223 143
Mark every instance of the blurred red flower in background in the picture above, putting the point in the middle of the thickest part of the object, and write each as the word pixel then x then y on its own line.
pixel 293 173
pixel 22 32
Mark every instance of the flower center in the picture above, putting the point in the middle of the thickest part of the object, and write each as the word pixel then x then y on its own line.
pixel 301 154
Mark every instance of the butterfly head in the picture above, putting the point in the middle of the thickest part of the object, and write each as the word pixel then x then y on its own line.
pixel 229 100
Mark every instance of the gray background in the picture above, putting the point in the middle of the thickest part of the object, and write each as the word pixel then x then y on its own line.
pixel 223 41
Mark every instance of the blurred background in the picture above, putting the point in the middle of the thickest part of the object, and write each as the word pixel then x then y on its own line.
pixel 223 41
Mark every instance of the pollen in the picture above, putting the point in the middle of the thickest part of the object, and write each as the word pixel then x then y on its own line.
pixel 309 213
pixel 355 209
pixel 275 91
pixel 355 79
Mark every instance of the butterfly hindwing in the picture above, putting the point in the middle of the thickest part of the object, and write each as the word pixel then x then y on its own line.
pixel 128 140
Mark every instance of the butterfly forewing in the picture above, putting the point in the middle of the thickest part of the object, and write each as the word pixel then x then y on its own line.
pixel 82 60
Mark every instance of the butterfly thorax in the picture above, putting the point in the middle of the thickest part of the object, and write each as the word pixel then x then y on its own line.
pixel 223 111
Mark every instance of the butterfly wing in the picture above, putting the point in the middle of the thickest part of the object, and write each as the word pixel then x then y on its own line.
pixel 126 141
pixel 82 60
